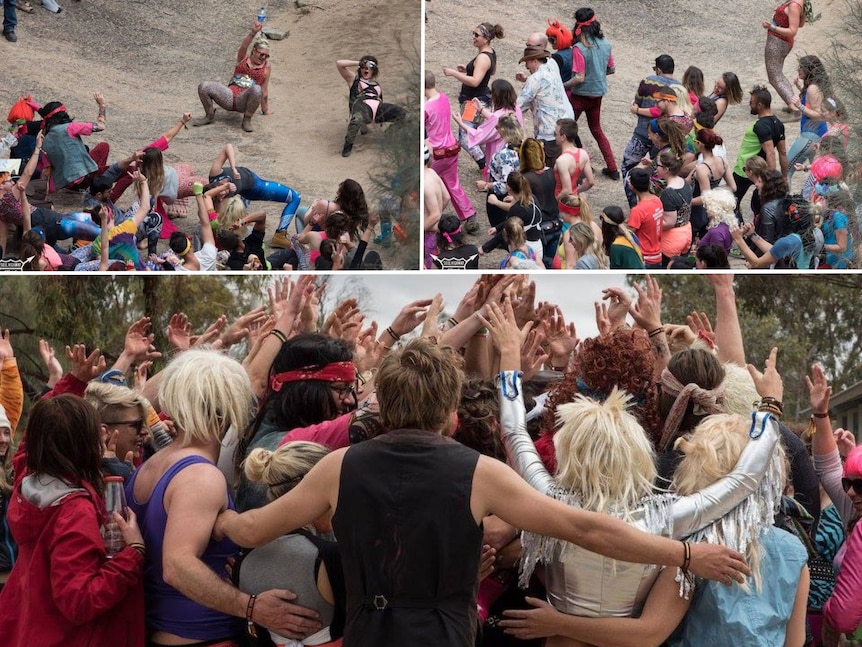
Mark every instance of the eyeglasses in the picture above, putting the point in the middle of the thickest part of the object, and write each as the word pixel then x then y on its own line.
pixel 261 54
pixel 657 165
pixel 344 392
pixel 137 425
pixel 856 484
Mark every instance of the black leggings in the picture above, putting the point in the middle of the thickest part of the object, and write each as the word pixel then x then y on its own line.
pixel 361 115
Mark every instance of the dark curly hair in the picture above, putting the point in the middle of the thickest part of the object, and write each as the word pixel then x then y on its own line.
pixel 622 358
pixel 774 186
pixel 478 419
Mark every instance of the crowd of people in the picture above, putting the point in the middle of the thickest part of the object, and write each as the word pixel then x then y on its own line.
pixel 294 479
pixel 675 169
pixel 52 154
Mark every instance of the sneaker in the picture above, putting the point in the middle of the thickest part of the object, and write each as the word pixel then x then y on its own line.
pixel 246 124
pixel 481 164
pixel 10 36
pixel 345 152
pixel 614 175
pixel 25 6
pixel 203 121
pixel 471 225
pixel 280 239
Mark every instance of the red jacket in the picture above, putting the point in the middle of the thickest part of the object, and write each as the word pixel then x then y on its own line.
pixel 63 590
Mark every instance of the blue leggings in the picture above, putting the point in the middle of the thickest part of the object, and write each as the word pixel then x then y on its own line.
pixel 57 226
pixel 802 150
pixel 275 192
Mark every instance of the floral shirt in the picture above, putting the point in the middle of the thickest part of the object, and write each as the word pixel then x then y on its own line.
pixel 505 161
pixel 544 94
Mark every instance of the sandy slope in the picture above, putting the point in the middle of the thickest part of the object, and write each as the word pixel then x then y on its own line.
pixel 715 36
pixel 147 58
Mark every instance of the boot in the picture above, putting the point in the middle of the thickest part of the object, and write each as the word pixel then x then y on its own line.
pixel 348 148
pixel 205 120
pixel 246 124
pixel 280 239
pixel 385 237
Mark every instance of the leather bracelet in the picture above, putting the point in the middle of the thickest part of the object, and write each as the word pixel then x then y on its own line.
pixel 656 331
pixel 815 414
pixel 138 546
pixel 392 334
pixel 275 332
pixel 249 612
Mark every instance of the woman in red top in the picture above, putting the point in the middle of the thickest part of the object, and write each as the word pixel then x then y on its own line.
pixel 249 87
pixel 789 17
pixel 63 590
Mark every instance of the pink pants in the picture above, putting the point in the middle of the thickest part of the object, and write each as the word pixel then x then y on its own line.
pixel 447 169
pixel 593 107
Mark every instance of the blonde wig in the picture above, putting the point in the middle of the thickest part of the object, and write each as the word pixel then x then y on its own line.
pixel 231 211
pixel 710 453
pixel 720 205
pixel 603 453
pixel 205 392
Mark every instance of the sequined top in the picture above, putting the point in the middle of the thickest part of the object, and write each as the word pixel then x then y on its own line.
pixel 584 583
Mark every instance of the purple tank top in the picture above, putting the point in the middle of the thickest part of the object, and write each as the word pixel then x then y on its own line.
pixel 168 609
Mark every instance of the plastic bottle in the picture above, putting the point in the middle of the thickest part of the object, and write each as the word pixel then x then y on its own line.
pixel 261 15
pixel 115 501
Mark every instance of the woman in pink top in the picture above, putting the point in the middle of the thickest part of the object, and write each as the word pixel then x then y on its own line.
pixel 503 101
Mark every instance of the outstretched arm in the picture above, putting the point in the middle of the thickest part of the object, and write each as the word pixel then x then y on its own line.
pixel 242 52
pixel 171 132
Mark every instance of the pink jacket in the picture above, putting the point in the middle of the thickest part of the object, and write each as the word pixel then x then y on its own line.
pixel 843 611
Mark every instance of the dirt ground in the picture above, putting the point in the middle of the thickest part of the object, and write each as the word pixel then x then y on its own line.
pixel 716 36
pixel 148 57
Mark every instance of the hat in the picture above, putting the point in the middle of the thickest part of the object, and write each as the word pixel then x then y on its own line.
pixel 534 53
pixel 4 419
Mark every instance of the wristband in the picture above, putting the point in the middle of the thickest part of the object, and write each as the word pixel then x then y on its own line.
pixel 275 332
pixel 826 414
pixel 197 188
pixel 249 612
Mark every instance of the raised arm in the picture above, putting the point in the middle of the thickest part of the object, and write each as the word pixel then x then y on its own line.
pixel 171 132
pixel 242 52
pixel 728 334
pixel 344 70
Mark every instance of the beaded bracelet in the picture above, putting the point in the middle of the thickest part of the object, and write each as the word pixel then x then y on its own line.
pixel 275 332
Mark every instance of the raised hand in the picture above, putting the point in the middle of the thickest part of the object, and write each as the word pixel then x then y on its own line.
pixel 49 358
pixel 430 329
pixel 768 383
pixel 647 311
pixel 85 367
pixel 618 304
pixel 6 350
pixel 561 338
pixel 239 329
pixel 138 345
pixel 179 331
pixel 819 390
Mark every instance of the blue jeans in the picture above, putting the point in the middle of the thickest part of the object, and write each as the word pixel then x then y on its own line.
pixel 801 151
pixel 10 16
pixel 550 244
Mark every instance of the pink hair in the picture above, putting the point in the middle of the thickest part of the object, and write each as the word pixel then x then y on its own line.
pixel 853 462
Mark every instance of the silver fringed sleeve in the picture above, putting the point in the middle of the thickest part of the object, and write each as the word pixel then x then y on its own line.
pixel 521 451
pixel 694 512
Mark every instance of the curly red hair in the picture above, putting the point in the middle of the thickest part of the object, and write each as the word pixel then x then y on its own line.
pixel 560 33
pixel 622 358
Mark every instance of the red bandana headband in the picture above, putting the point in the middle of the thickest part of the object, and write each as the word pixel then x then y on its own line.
pixel 60 108
pixel 333 372
pixel 580 25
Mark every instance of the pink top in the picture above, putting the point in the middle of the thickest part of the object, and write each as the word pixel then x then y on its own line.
pixel 579 64
pixel 438 118
pixel 332 433
pixel 843 610
pixel 77 128
pixel 486 134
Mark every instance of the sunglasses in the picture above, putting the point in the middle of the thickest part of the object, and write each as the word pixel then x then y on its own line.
pixel 476 34
pixel 137 425
pixel 856 484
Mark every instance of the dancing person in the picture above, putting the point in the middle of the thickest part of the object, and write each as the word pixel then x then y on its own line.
pixel 764 138
pixel 720 207
pixel 543 93
pixel 676 234
pixel 250 186
pixel 365 100
pixel 444 490
pixel 814 86
pixel 572 170
pixel 521 256
pixel 639 144
pixel 646 218
pixel 64 588
pixel 592 63
pixel 726 92
pixel 444 149
pixel 583 250
pixel 709 171
pixel 177 494
pixel 620 246
pixel 72 165
pixel 788 18
pixel 436 200
pixel 248 88
pixel 839 223
pixel 531 164
pixel 475 78
pixel 505 161
pixel 453 253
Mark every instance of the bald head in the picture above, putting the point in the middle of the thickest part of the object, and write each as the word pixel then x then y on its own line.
pixel 537 39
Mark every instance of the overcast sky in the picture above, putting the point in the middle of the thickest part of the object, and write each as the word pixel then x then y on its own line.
pixel 574 293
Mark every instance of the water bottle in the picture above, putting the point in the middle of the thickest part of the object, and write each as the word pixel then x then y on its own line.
pixel 261 15
pixel 115 501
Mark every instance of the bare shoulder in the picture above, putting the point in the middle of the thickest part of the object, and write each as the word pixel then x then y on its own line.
pixel 201 485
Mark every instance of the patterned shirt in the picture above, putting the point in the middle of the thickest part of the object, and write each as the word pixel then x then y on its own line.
pixel 505 161
pixel 544 94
